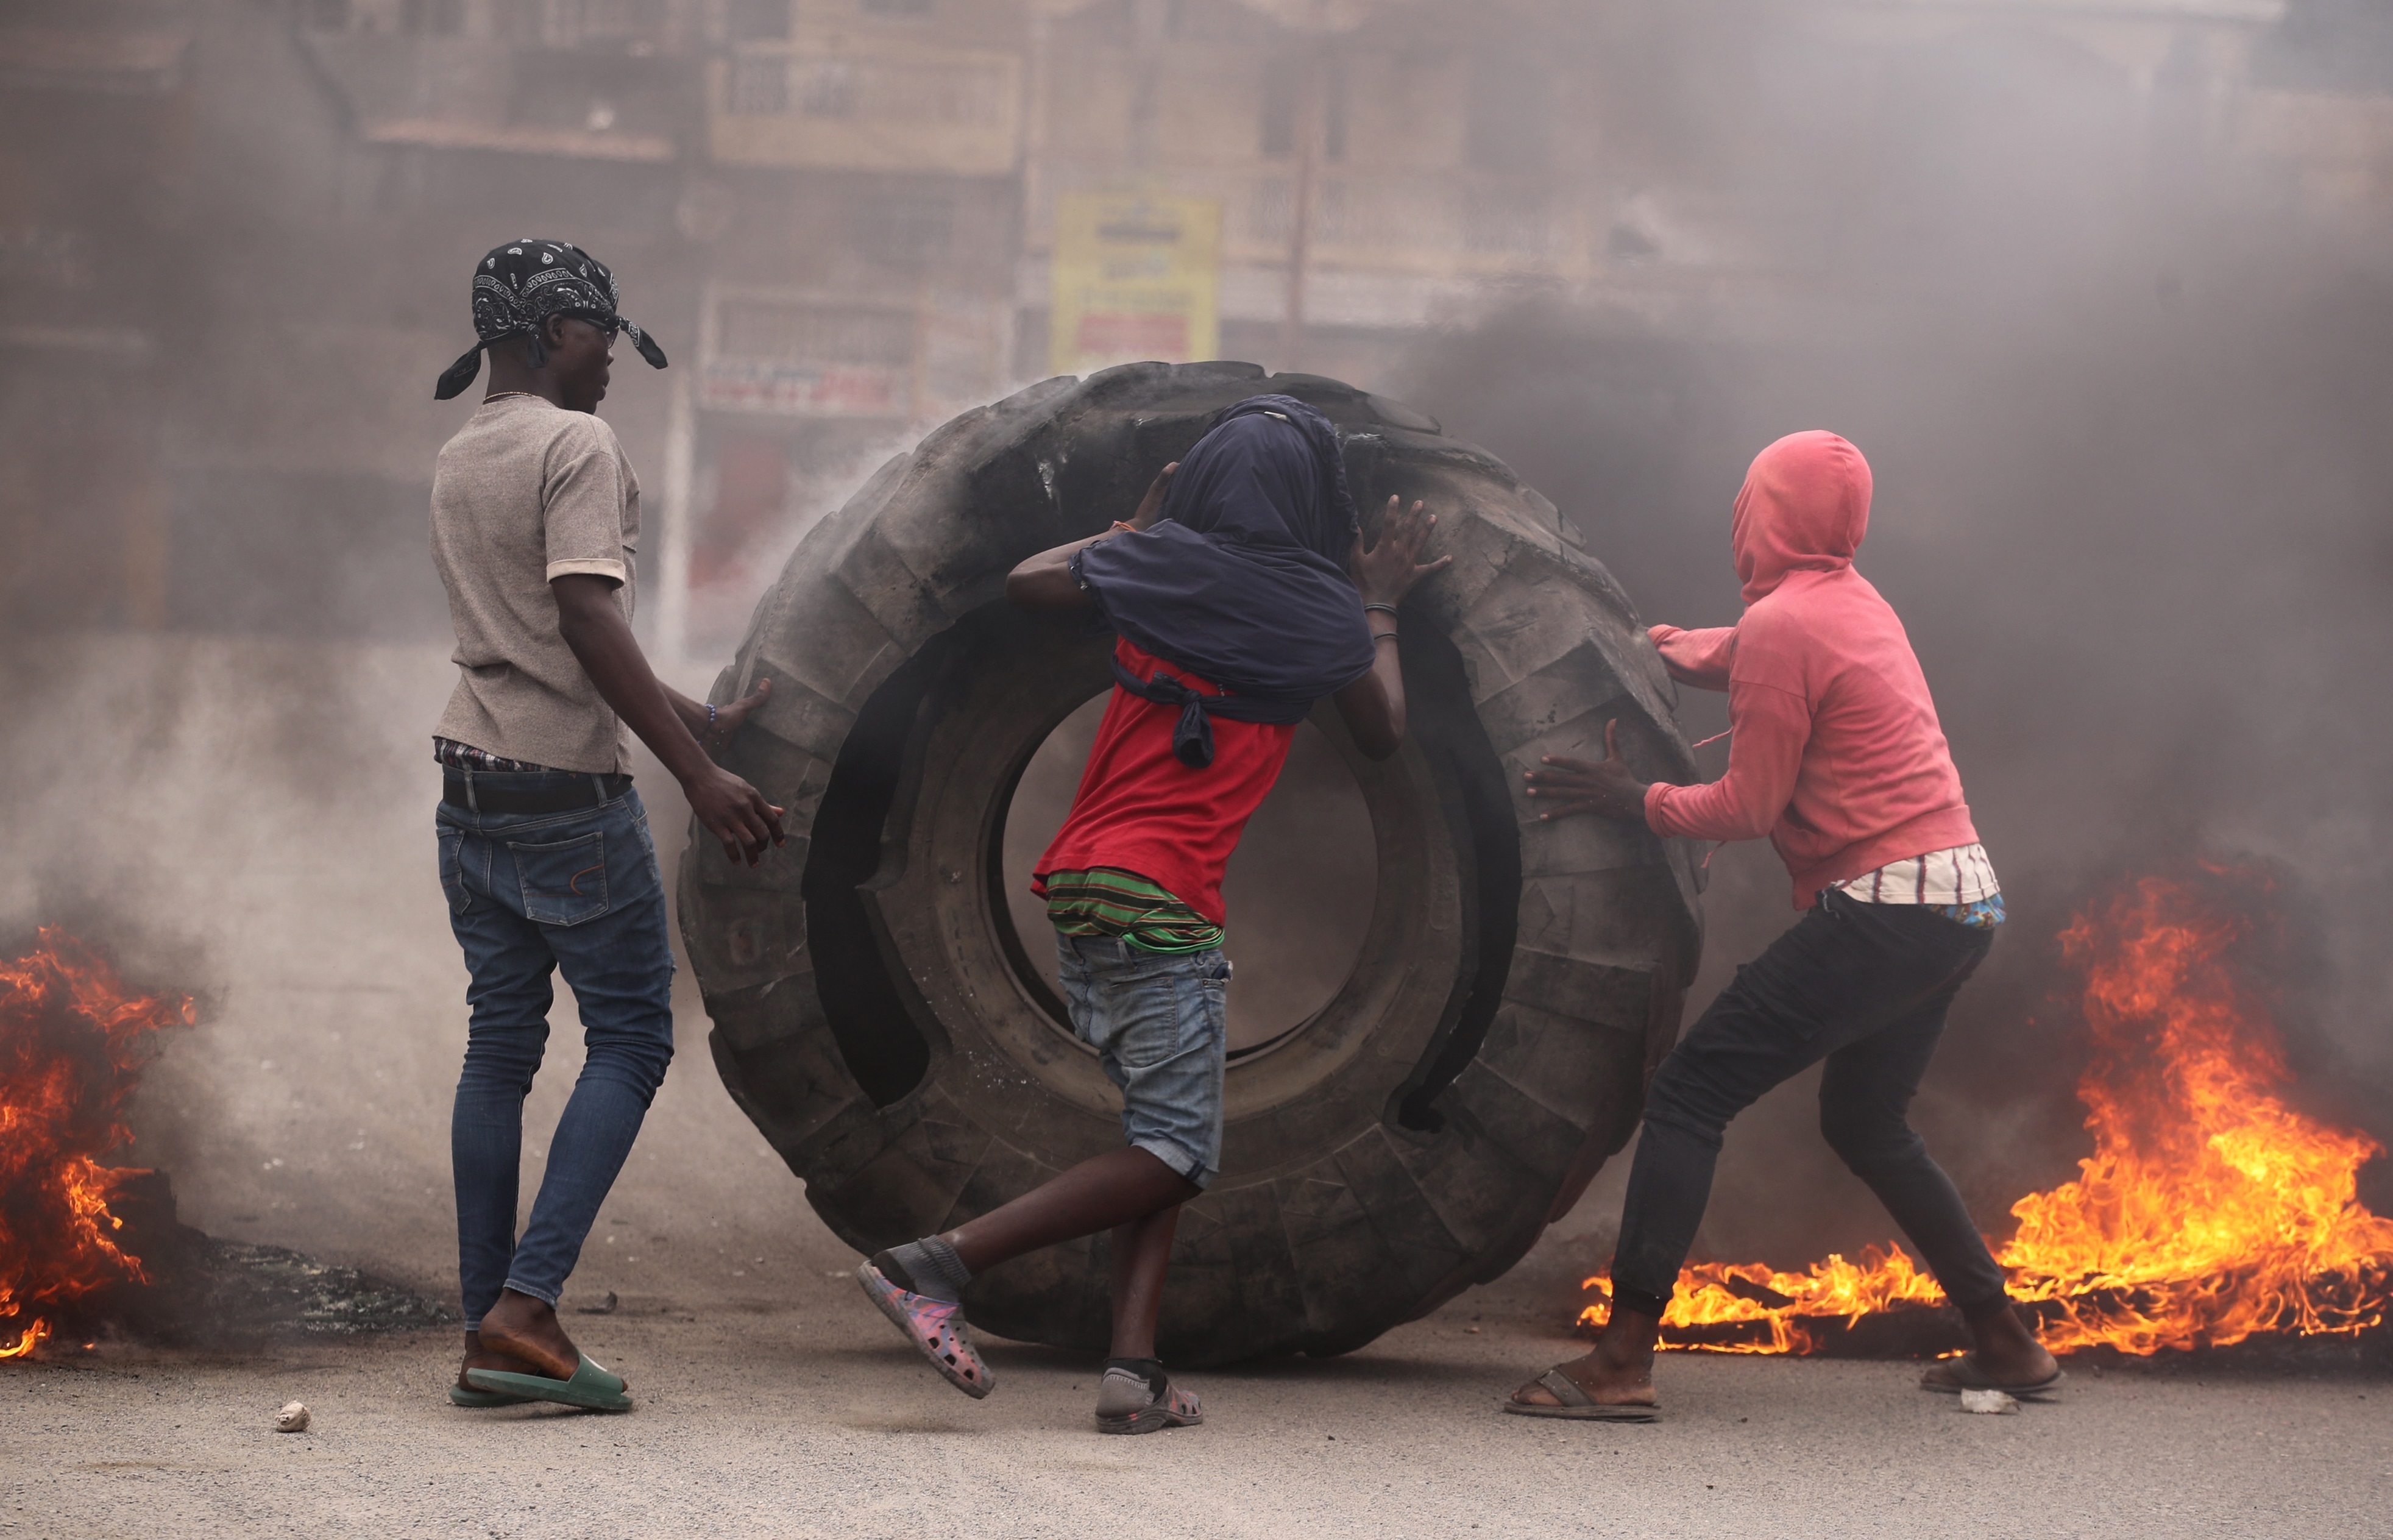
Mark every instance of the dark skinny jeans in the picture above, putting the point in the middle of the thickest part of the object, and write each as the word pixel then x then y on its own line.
pixel 530 896
pixel 1864 986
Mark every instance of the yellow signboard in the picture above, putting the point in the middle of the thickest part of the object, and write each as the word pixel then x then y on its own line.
pixel 1137 277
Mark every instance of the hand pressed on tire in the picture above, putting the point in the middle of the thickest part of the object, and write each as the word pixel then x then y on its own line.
pixel 1045 580
pixel 1374 705
pixel 1150 507
pixel 1386 572
pixel 1606 788
pixel 716 729
pixel 735 812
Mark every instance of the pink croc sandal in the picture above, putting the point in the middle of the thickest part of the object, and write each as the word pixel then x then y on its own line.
pixel 933 1326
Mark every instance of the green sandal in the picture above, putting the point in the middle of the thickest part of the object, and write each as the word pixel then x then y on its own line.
pixel 592 1386
pixel 478 1400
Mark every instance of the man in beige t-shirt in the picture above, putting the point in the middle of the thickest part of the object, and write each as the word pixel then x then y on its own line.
pixel 546 855
pixel 521 692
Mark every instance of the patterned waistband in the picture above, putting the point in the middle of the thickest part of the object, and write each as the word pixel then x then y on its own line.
pixel 453 755
pixel 1104 901
pixel 1984 915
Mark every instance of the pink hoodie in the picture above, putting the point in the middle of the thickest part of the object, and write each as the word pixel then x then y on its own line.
pixel 1837 755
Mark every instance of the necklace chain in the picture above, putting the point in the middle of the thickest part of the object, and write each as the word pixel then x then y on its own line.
pixel 502 395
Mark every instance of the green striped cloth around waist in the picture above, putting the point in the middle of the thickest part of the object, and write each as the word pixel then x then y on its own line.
pixel 1103 901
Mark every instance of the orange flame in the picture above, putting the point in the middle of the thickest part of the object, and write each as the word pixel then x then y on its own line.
pixel 2209 1211
pixel 72 1042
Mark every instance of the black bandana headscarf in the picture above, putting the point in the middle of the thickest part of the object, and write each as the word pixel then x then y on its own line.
pixel 1243 581
pixel 520 285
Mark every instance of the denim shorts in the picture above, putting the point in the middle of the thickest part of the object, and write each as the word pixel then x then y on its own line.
pixel 1160 1024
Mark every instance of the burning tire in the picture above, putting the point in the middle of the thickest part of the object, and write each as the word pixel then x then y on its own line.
pixel 876 1012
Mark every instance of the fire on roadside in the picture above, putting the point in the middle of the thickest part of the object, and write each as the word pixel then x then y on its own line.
pixel 2209 1212
pixel 72 1041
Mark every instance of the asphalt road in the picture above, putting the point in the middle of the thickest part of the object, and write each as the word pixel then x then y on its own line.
pixel 788 1409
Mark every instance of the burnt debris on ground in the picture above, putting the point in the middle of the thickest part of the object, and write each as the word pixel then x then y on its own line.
pixel 210 1292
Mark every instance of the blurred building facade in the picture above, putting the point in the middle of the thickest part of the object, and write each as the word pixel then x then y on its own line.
pixel 234 234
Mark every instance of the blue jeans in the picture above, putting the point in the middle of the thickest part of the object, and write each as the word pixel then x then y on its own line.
pixel 530 893
pixel 1160 1024
pixel 1865 987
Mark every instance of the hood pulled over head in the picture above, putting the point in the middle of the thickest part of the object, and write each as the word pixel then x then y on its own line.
pixel 1269 474
pixel 1243 581
pixel 1804 508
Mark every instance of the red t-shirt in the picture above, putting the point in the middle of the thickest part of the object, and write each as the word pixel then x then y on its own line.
pixel 1140 809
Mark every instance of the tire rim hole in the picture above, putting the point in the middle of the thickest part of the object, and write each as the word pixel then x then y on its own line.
pixel 1299 892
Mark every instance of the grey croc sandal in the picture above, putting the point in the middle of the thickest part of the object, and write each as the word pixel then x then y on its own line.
pixel 1136 1396
pixel 1578 1404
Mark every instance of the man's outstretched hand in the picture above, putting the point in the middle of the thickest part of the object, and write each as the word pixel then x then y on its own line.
pixel 1385 573
pixel 1605 787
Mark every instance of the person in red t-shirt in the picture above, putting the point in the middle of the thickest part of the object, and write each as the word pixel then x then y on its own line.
pixel 1242 594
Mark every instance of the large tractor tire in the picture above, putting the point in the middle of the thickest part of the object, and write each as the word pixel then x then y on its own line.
pixel 875 1009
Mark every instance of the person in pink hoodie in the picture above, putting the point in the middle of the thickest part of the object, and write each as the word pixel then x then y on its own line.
pixel 1837 755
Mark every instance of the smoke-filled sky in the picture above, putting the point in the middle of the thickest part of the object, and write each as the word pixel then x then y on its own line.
pixel 2131 418
pixel 2128 391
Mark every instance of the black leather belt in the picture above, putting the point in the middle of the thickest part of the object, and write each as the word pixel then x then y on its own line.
pixel 488 792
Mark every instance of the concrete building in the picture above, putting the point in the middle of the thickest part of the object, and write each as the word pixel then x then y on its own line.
pixel 234 233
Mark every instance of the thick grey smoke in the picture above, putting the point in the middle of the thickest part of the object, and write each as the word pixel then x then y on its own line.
pixel 2130 409
pixel 2126 389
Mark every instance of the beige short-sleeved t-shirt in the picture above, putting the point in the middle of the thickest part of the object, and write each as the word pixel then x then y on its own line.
pixel 528 491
